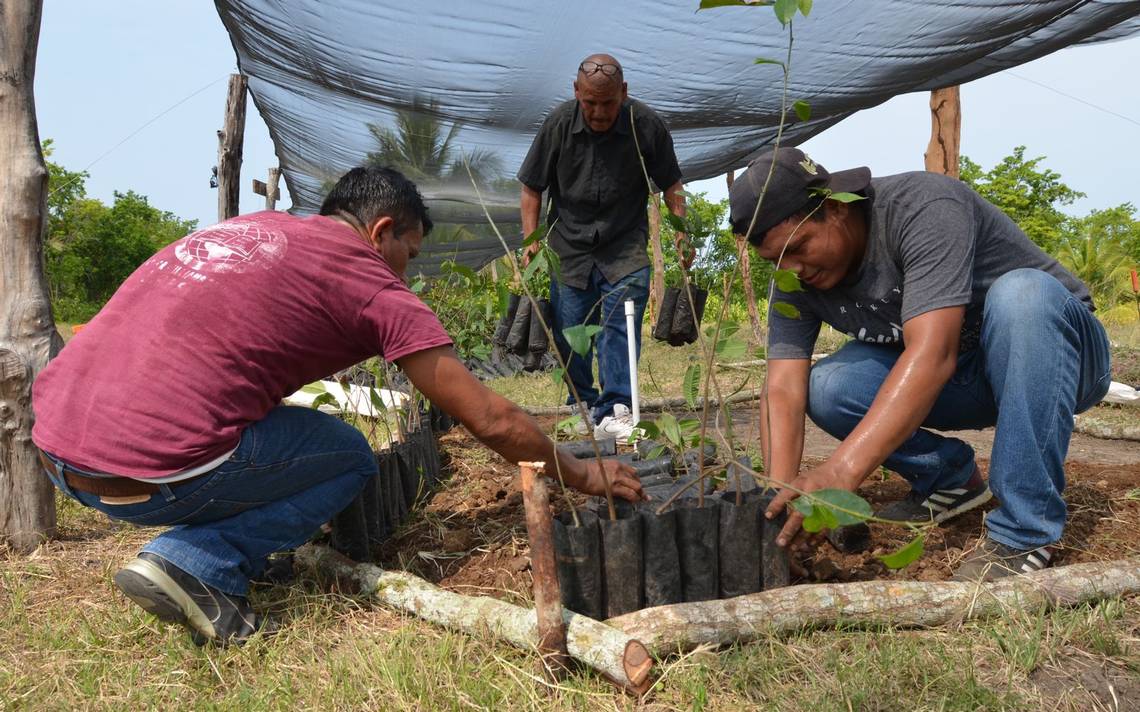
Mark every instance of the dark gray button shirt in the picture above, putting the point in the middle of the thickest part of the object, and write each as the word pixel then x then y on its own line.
pixel 598 189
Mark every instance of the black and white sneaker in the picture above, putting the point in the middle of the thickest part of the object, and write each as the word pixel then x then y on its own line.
pixel 993 560
pixel 939 505
pixel 166 591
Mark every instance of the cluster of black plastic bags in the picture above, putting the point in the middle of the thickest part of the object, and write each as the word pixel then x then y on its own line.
pixel 408 473
pixel 519 333
pixel 718 545
pixel 680 318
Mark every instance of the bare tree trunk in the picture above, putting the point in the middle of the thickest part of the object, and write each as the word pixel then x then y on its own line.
pixel 683 626
pixel 657 284
pixel 28 339
pixel 945 131
pixel 230 140
pixel 746 277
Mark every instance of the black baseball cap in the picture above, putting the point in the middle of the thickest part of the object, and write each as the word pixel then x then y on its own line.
pixel 790 190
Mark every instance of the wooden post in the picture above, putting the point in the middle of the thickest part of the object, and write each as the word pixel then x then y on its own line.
pixel 270 189
pixel 745 258
pixel 28 339
pixel 544 570
pixel 945 131
pixel 230 147
pixel 657 283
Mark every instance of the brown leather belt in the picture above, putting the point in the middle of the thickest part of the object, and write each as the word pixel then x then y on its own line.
pixel 101 486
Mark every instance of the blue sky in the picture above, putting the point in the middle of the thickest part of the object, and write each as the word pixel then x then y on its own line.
pixel 105 69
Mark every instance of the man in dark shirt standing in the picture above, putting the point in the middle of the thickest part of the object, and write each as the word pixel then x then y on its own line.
pixel 586 156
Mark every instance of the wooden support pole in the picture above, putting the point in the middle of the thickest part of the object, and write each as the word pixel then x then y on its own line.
pixel 230 147
pixel 945 131
pixel 623 660
pixel 684 626
pixel 544 571
pixel 28 338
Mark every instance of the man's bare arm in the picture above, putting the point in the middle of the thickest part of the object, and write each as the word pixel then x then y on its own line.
pixel 902 404
pixel 782 411
pixel 530 206
pixel 503 426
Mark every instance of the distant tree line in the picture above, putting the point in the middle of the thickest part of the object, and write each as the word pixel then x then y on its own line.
pixel 91 247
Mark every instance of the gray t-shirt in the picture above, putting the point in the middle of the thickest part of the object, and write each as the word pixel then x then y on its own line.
pixel 932 243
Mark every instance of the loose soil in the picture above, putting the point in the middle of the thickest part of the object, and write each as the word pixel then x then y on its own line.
pixel 472 538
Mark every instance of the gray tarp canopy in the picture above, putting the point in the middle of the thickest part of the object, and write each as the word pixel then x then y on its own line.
pixel 342 82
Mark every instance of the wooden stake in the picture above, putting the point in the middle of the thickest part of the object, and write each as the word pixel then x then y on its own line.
pixel 28 338
pixel 230 147
pixel 544 571
pixel 623 660
pixel 945 131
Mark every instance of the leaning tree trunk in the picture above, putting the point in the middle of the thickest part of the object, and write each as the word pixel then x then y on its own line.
pixel 657 279
pixel 28 338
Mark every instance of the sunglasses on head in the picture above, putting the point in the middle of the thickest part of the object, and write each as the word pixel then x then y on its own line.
pixel 588 68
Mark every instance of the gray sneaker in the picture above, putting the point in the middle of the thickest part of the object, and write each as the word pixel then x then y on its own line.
pixel 166 591
pixel 993 560
pixel 938 506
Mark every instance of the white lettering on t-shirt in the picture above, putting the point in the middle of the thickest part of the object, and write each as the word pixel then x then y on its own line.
pixel 231 247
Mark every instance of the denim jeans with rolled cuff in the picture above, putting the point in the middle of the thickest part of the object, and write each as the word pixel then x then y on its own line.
pixel 1043 357
pixel 292 472
pixel 602 304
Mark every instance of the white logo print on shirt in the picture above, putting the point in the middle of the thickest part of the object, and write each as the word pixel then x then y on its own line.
pixel 232 247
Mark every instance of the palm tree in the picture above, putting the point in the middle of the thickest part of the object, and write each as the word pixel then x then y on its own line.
pixel 1101 264
pixel 423 148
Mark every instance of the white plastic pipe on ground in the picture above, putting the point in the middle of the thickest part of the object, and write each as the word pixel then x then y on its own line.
pixel 631 340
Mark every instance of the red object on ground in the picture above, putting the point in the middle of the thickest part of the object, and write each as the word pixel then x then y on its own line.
pixel 1135 283
pixel 76 328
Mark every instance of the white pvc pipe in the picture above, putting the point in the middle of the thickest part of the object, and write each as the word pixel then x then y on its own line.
pixel 631 340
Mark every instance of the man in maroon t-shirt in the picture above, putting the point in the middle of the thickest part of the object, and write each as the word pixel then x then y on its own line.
pixel 165 409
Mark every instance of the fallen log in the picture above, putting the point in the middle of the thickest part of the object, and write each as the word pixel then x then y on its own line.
pixel 684 626
pixel 622 659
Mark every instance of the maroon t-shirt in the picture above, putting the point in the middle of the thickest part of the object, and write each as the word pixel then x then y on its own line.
pixel 210 333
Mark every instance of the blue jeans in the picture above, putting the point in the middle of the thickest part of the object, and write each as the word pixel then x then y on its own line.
pixel 601 303
pixel 292 472
pixel 1043 356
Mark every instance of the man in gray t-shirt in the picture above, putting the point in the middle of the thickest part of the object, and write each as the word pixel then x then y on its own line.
pixel 957 321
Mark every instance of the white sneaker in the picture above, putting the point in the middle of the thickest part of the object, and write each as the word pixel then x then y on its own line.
pixel 619 425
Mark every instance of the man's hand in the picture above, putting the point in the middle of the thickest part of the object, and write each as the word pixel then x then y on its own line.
pixel 825 476
pixel 529 253
pixel 623 480
pixel 685 251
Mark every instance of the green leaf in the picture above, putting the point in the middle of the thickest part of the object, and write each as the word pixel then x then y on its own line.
pixel 691 384
pixel 553 262
pixel 846 197
pixel 786 310
pixel 460 269
pixel 765 60
pixel 567 424
pixel 534 237
pixel 670 430
pixel 649 428
pixel 846 507
pixel 377 401
pixel 816 518
pixel 538 263
pixel 557 374
pixel 785 10
pixel 802 109
pixel 675 222
pixel 580 336
pixel 787 281
pixel 685 194
pixel 906 555
pixel 731 349
pixel 709 4
pixel 417 286
pixel 762 352
pixel 324 399
pixel 805 7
